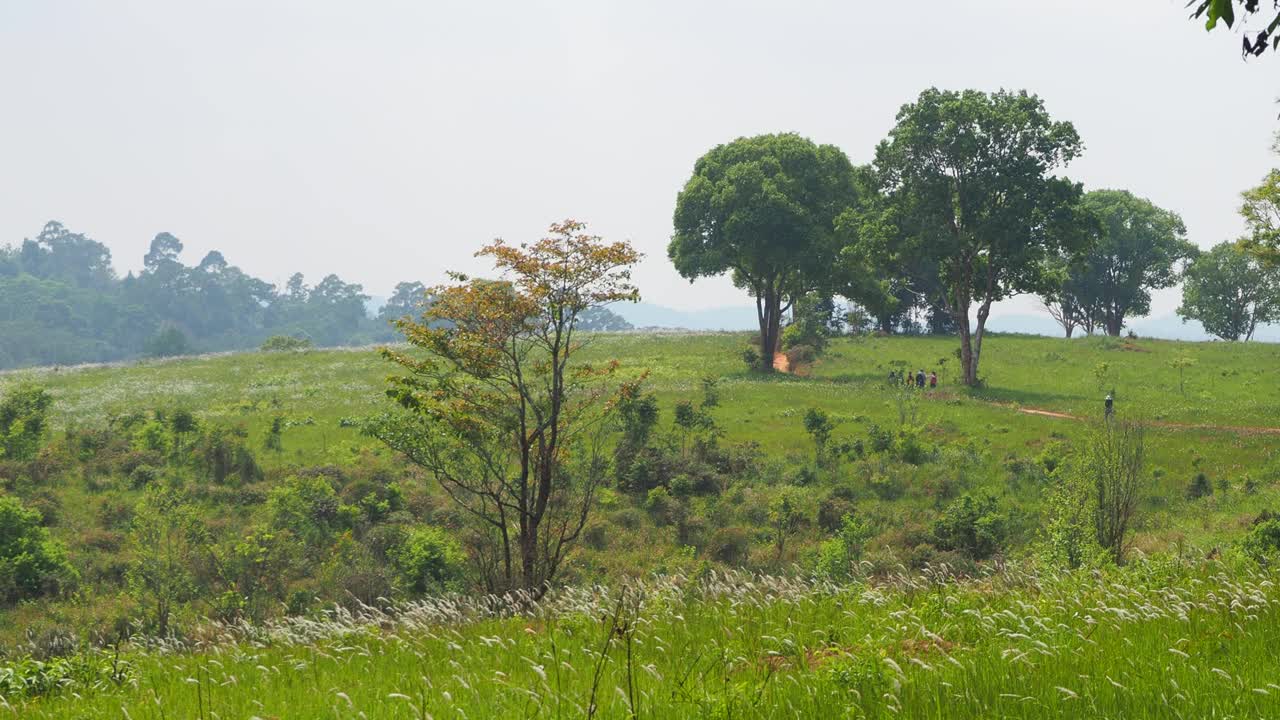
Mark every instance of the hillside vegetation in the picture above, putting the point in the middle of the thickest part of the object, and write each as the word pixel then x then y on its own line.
pixel 281 507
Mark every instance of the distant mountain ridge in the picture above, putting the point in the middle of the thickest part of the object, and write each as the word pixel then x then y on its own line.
pixel 649 315
pixel 738 318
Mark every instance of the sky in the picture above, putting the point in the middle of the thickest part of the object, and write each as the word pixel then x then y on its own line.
pixel 387 141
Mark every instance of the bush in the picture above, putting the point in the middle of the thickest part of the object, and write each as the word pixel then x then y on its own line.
pixel 831 512
pixel 168 543
pixel 285 343
pixel 224 455
pixel 662 507
pixel 838 556
pixel 817 422
pixel 31 563
pixel 751 357
pixel 973 526
pixel 881 439
pixel 353 577
pixel 1263 540
pixel 730 545
pixel 1199 487
pixel 428 561
pixel 23 414
pixel 309 508
pixel 887 487
pixel 801 355
pixel 910 448
pixel 142 476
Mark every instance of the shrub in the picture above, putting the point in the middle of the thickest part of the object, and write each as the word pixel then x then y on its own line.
pixel 353 577
pixel 887 486
pixel 168 541
pixel 819 426
pixel 710 393
pixel 837 556
pixel 596 535
pixel 786 516
pixel 730 545
pixel 881 438
pixel 142 476
pixel 910 448
pixel 1069 540
pixel 285 343
pixel 428 561
pixel 1199 487
pixel 662 507
pixel 224 455
pixel 31 563
pixel 831 511
pixel 23 416
pixel 1262 542
pixel 973 526
pixel 78 672
pixel 1053 455
pixel 751 357
pixel 309 508
pixel 801 355
pixel 1114 462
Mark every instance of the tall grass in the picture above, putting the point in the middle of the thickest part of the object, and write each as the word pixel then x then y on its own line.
pixel 1156 639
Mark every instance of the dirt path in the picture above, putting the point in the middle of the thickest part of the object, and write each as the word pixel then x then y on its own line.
pixel 1238 429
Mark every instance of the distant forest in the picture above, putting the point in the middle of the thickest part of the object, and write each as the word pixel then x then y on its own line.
pixel 62 302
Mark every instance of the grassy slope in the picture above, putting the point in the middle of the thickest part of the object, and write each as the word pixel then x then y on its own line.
pixel 1231 384
pixel 1140 615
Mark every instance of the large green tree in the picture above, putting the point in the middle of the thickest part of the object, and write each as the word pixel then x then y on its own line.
pixel 1230 293
pixel 1261 212
pixel 971 176
pixel 1140 248
pixel 764 208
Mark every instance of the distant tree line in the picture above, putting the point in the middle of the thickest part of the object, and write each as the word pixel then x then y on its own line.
pixel 61 302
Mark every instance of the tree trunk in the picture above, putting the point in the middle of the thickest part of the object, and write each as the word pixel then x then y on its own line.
pixel 1114 325
pixel 966 347
pixel 529 560
pixel 769 313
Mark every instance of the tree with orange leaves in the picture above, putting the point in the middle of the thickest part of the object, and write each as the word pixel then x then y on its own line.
pixel 497 408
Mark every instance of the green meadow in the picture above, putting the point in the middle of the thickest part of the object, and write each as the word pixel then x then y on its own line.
pixel 685 606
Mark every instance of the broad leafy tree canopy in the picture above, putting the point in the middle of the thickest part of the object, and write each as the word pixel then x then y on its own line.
pixel 971 178
pixel 764 208
pixel 1142 247
pixel 1261 211
pixel 1230 293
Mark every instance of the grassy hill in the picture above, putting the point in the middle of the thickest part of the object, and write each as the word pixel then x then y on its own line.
pixel 802 647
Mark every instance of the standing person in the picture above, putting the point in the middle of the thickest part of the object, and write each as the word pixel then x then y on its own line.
pixel 920 379
pixel 893 378
pixel 906 377
pixel 933 379
pixel 1109 405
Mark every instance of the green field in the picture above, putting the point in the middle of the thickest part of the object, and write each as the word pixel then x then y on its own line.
pixel 1170 634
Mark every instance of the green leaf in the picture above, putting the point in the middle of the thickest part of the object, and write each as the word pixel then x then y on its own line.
pixel 1220 9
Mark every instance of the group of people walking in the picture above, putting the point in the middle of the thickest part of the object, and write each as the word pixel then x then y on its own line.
pixel 918 380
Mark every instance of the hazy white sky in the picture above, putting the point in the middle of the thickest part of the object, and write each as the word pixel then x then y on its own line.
pixel 386 141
